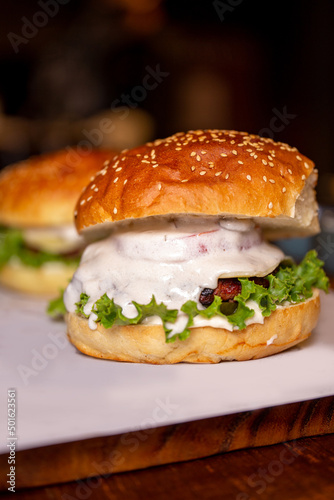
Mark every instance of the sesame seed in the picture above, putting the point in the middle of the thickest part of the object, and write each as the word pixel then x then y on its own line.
pixel 106 163
pixel 185 180
pixel 89 198
pixel 223 155
pixel 255 156
pixel 272 181
pixel 125 182
pixel 118 169
pixel 193 153
pixel 203 172
pixel 159 187
pixel 284 190
pixel 290 171
pixel 96 189
pixel 234 152
pixel 270 158
pixel 203 152
pixel 303 177
pixel 155 165
pixel 82 202
pixel 264 178
pixel 270 205
pixel 178 149
pixel 198 158
pixel 227 176
pixel 103 172
pixel 298 158
pixel 192 168
pixel 271 164
pixel 249 177
pixel 264 162
pixel 115 210
pixel 217 174
pixel 306 164
pixel 115 180
pixel 92 178
pixel 240 162
pixel 145 161
pixel 93 186
pixel 249 150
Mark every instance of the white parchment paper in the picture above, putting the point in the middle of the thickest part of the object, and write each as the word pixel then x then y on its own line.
pixel 63 395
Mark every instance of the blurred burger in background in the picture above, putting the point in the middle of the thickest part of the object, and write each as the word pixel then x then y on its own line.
pixel 39 245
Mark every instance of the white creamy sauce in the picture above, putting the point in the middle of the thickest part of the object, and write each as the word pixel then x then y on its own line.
pixel 271 340
pixel 215 321
pixel 57 239
pixel 173 261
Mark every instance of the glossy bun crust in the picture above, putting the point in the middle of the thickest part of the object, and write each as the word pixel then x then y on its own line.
pixel 285 328
pixel 43 190
pixel 211 172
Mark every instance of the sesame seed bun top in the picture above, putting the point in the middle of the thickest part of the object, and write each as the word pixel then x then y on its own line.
pixel 43 190
pixel 206 172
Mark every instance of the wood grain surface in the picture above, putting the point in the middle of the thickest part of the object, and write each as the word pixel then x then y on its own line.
pixel 297 470
pixel 170 444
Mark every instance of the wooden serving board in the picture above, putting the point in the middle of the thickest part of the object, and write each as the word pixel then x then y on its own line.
pixel 169 444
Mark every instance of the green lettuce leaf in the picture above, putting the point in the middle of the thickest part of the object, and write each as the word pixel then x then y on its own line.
pixel 84 298
pixel 12 245
pixel 109 314
pixel 291 283
pixel 56 307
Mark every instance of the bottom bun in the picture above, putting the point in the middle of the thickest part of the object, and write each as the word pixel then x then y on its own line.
pixel 46 280
pixel 286 327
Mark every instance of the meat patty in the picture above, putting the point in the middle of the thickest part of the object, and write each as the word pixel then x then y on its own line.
pixel 227 289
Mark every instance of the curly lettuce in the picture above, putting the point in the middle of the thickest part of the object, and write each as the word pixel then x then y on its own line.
pixel 291 283
pixel 12 245
pixel 56 307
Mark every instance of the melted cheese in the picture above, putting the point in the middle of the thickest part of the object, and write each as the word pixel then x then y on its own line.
pixel 171 260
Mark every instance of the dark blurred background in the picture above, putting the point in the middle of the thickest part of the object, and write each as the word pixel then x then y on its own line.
pixel 115 73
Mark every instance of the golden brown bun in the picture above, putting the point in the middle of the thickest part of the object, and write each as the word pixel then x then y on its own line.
pixel 46 280
pixel 206 173
pixel 146 344
pixel 43 190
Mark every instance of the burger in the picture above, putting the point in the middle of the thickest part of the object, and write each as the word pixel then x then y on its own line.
pixel 39 245
pixel 182 269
